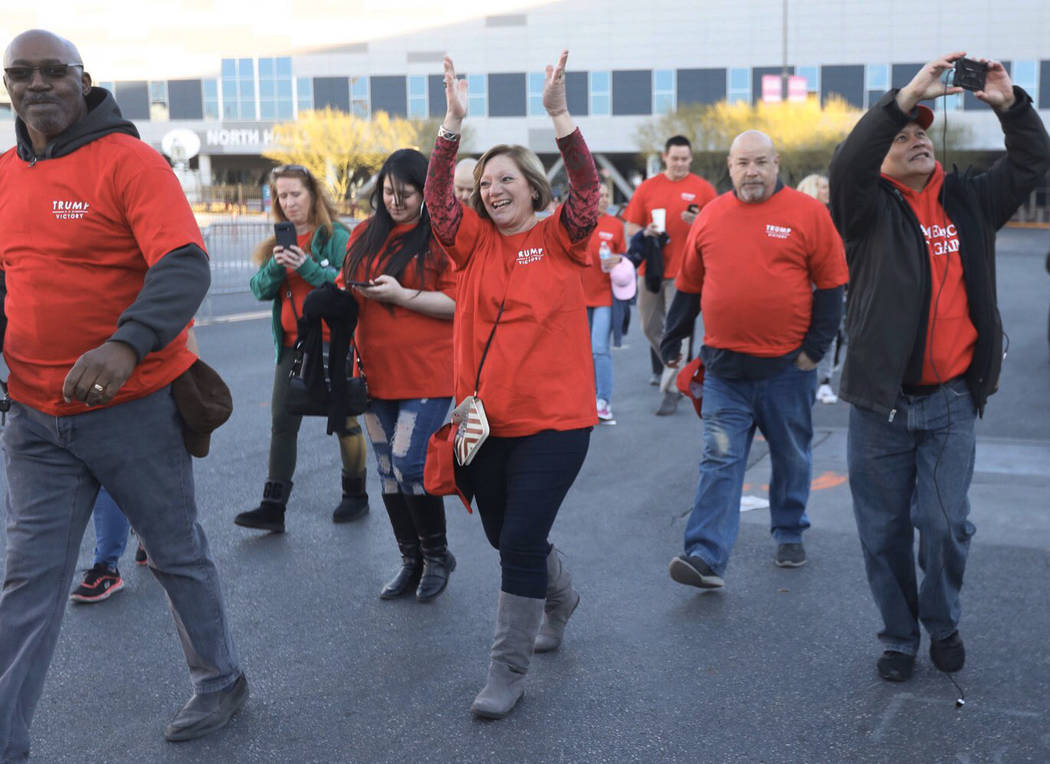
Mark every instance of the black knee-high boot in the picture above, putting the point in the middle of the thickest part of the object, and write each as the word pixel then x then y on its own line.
pixel 428 514
pixel 407 579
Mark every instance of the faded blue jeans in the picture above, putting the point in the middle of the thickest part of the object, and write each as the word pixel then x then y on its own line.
pixel 600 321
pixel 54 468
pixel 111 530
pixel 781 408
pixel 399 431
pixel 914 473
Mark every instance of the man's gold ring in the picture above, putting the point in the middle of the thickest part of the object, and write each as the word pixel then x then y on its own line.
pixel 98 387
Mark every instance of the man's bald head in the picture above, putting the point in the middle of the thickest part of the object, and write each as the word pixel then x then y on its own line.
pixel 34 37
pixel 463 180
pixel 753 166
pixel 47 82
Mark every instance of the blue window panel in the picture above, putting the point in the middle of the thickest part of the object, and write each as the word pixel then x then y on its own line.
pixel 284 90
pixel 265 67
pixel 247 91
pixel 185 99
pixel 601 105
pixel 229 68
pixel 267 110
pixel 756 79
pixel 332 92
pixel 284 66
pixel 878 77
pixel 739 79
pixel 632 92
pixel 266 89
pixel 702 86
pixel 133 99
pixel 535 91
pixel 436 93
pixel 846 81
pixel 284 110
pixel 901 74
pixel 388 94
pixel 576 93
pixel 417 86
pixel 245 69
pixel 230 109
pixel 812 75
pixel 507 95
pixel 663 79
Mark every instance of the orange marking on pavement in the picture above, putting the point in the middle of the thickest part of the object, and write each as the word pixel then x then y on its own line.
pixel 823 481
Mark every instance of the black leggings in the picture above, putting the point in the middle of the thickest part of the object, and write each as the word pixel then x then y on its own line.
pixel 519 484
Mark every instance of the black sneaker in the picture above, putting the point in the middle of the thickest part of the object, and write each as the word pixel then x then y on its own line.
pixel 895 667
pixel 790 556
pixel 692 571
pixel 99 583
pixel 948 654
pixel 141 558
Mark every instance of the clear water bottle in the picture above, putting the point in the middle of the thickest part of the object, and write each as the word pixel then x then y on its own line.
pixel 604 252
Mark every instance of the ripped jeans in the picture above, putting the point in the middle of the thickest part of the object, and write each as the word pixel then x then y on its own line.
pixel 914 474
pixel 399 431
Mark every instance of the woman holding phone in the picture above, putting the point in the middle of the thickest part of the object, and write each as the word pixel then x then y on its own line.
pixel 287 272
pixel 523 347
pixel 405 291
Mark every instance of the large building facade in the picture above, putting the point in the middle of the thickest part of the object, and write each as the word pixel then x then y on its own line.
pixel 629 62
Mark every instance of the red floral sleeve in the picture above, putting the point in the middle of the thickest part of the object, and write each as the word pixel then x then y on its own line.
pixel 445 210
pixel 579 214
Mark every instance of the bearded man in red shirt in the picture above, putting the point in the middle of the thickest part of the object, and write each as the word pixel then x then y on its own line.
pixel 925 343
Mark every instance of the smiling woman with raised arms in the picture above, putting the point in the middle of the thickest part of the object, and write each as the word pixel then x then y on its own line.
pixel 522 346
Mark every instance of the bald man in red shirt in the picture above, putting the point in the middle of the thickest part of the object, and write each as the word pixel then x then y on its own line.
pixel 766 265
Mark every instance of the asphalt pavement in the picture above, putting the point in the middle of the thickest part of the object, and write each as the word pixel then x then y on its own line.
pixel 778 667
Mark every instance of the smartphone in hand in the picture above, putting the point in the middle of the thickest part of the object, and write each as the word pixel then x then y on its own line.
pixel 284 232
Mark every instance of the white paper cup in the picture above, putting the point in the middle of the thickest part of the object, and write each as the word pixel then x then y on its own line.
pixel 660 219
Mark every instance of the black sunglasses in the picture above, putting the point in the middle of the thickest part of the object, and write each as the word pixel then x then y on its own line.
pixel 49 71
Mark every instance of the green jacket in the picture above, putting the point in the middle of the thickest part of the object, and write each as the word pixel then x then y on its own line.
pixel 324 264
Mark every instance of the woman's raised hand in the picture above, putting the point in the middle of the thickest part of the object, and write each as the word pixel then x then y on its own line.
pixel 455 98
pixel 554 100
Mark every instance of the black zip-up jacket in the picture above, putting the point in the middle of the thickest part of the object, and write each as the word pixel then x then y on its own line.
pixel 890 282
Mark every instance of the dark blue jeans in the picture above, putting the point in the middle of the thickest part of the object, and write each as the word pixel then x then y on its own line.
pixel 914 473
pixel 519 485
pixel 781 408
pixel 111 530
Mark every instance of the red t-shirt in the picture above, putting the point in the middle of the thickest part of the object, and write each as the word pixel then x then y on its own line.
pixel 675 196
pixel 597 288
pixel 299 287
pixel 538 374
pixel 405 354
pixel 77 235
pixel 950 334
pixel 755 267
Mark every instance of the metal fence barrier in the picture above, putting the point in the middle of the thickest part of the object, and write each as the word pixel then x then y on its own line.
pixel 230 244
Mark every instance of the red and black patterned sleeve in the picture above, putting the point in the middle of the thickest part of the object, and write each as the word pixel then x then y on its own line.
pixel 445 210
pixel 579 214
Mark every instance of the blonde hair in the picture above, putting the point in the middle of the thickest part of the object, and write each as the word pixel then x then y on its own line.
pixel 322 209
pixel 810 185
pixel 530 167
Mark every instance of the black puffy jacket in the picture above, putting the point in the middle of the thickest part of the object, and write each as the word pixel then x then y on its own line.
pixel 890 282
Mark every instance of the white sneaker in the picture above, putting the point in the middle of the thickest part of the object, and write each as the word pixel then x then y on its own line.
pixel 604 412
pixel 826 395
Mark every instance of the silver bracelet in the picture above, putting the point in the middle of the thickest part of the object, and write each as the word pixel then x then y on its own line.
pixel 447 134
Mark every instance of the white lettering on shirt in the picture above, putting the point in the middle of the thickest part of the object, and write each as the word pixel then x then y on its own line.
pixel 607 235
pixel 777 231
pixel 531 255
pixel 686 196
pixel 69 210
pixel 941 240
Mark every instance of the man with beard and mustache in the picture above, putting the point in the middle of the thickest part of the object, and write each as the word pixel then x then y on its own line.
pixel 766 266
pixel 104 269
pixel 925 343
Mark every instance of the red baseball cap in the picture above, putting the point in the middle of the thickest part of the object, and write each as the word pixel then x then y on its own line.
pixel 924 116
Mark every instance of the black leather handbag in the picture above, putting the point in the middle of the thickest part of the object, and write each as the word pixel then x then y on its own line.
pixel 305 400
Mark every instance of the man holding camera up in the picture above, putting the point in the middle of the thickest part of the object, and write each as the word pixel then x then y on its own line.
pixel 925 340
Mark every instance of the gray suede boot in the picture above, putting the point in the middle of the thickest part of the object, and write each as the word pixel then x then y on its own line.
pixel 562 600
pixel 517 622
